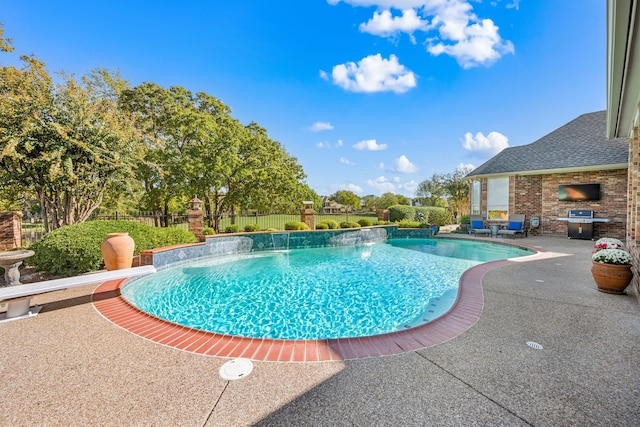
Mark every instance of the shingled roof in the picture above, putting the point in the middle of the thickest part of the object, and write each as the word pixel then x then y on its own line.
pixel 580 144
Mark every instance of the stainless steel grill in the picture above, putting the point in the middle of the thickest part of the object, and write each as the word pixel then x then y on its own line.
pixel 580 224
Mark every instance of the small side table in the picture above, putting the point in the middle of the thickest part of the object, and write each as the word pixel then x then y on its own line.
pixel 494 230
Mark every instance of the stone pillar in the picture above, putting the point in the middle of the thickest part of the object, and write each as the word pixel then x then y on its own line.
pixel 10 230
pixel 383 215
pixel 307 215
pixel 195 216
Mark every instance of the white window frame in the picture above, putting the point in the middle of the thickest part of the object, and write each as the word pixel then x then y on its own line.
pixel 476 196
pixel 498 198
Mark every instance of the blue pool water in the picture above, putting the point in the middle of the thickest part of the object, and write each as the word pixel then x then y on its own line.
pixel 333 292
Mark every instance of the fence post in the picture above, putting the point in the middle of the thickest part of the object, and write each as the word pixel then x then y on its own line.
pixel 10 230
pixel 195 216
pixel 307 215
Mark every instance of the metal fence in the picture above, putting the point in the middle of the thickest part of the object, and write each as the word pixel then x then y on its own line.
pixel 33 230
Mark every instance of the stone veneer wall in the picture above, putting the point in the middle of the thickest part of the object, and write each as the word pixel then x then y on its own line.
pixel 10 230
pixel 633 219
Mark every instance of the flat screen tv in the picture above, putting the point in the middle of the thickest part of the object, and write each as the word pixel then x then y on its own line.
pixel 578 192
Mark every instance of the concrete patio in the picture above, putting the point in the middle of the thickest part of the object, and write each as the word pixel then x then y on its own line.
pixel 70 366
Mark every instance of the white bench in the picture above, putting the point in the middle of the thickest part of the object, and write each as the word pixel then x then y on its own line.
pixel 18 298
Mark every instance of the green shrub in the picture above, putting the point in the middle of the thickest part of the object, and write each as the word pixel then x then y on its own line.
pixel 439 216
pixel 331 223
pixel 295 225
pixel 465 219
pixel 349 224
pixel 365 222
pixel 322 226
pixel 208 231
pixel 382 222
pixel 399 212
pixel 408 223
pixel 233 228
pixel 251 228
pixel 75 249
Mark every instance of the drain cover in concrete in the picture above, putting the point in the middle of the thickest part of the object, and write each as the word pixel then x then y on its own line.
pixel 236 369
pixel 534 345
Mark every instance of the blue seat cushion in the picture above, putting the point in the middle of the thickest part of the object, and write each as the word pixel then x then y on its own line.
pixel 514 225
pixel 477 225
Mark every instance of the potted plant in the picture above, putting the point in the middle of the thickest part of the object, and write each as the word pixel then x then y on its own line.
pixel 611 266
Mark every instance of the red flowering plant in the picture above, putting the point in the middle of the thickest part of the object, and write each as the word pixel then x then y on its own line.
pixel 607 243
pixel 610 251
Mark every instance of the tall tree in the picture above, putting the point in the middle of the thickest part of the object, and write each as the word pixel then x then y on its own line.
pixel 457 189
pixel 196 148
pixel 67 143
pixel 431 192
pixel 347 198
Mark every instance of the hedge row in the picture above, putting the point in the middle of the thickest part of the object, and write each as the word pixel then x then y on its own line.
pixel 423 214
pixel 75 249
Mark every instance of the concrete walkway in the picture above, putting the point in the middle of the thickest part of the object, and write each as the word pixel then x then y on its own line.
pixel 69 366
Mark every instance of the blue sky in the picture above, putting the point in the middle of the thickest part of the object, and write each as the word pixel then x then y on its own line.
pixel 369 95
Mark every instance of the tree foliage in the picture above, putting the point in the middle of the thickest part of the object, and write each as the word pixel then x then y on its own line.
pixel 193 146
pixel 347 198
pixel 65 142
pixel 444 190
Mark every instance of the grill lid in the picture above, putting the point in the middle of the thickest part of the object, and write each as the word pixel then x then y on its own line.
pixel 580 214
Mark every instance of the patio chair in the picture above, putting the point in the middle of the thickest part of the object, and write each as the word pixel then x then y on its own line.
pixel 477 226
pixel 515 226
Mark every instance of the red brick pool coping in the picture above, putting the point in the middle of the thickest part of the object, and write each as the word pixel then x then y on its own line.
pixel 464 313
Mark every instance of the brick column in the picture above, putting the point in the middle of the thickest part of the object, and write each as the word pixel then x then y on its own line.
pixel 195 217
pixel 383 214
pixel 633 198
pixel 307 215
pixel 10 230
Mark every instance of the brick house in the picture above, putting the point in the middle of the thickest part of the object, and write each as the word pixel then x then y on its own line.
pixel 526 179
pixel 623 106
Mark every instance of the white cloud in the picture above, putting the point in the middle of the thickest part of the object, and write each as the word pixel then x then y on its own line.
pixel 382 184
pixel 384 24
pixel 492 144
pixel 515 5
pixel 403 165
pixel 369 145
pixel 328 145
pixel 350 187
pixel 410 187
pixel 320 126
pixel 472 41
pixel 466 166
pixel 324 75
pixel 479 44
pixel 374 74
pixel 383 4
pixel 346 161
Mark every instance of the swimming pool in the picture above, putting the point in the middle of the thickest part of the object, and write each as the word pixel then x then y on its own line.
pixel 319 293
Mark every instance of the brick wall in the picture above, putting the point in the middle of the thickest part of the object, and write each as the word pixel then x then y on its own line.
pixel 526 198
pixel 10 230
pixel 633 220
pixel 612 205
pixel 537 195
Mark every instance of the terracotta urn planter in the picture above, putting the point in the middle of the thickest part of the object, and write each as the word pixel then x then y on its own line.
pixel 611 278
pixel 117 251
